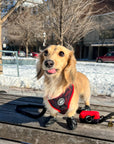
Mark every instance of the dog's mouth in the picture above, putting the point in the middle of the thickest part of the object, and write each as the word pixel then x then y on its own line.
pixel 51 71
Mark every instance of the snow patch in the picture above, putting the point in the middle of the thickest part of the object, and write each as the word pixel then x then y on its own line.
pixel 100 75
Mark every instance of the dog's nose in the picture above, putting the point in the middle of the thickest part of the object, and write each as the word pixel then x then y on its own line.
pixel 49 63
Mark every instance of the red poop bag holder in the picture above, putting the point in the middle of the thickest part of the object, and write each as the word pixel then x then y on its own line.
pixel 92 117
pixel 89 117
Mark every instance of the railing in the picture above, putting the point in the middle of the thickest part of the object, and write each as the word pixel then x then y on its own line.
pixel 16 54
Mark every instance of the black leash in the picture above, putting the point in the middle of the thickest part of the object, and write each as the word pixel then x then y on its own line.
pixel 20 109
pixel 104 118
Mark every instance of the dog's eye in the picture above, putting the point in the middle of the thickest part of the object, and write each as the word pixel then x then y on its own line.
pixel 45 52
pixel 61 53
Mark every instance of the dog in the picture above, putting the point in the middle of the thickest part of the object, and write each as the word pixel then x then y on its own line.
pixel 63 84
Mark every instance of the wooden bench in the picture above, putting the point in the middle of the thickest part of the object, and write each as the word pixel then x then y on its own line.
pixel 18 128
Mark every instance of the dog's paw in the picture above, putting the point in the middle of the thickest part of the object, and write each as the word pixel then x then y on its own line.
pixel 71 123
pixel 50 120
pixel 87 108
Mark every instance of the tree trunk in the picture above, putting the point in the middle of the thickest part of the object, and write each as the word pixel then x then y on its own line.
pixel 26 45
pixel 61 23
pixel 1 67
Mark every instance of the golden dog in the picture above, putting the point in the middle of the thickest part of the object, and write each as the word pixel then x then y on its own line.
pixel 58 65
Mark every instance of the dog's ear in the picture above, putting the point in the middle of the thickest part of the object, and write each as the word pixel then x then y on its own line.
pixel 40 71
pixel 70 69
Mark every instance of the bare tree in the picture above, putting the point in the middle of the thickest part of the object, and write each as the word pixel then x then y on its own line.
pixel 25 26
pixel 3 18
pixel 69 20
pixel 104 21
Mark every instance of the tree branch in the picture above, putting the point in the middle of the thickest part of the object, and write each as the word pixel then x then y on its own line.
pixel 4 18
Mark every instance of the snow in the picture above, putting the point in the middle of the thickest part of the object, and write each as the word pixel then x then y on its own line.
pixel 101 76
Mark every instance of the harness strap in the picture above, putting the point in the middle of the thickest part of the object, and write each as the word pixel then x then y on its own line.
pixel 62 102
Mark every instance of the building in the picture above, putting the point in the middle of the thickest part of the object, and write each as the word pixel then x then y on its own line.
pixel 101 41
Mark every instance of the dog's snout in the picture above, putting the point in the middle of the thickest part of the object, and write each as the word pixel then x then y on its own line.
pixel 49 63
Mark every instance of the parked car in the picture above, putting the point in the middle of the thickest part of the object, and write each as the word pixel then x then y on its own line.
pixel 9 52
pixel 21 53
pixel 35 54
pixel 109 57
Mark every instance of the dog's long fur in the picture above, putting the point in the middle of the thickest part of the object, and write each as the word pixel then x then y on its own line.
pixel 66 74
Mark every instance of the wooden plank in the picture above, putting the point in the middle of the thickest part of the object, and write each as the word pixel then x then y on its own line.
pixel 12 96
pixel 8 103
pixel 41 135
pixel 5 112
pixel 10 106
pixel 8 110
pixel 9 141
pixel 95 100
pixel 98 131
pixel 19 100
pixel 100 107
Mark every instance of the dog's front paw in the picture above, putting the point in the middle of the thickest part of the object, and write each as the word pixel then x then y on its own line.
pixel 71 123
pixel 50 120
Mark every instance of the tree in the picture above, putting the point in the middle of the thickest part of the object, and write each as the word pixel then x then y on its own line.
pixel 104 22
pixel 3 18
pixel 25 26
pixel 69 20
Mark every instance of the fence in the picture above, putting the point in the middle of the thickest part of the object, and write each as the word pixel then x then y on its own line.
pixel 16 54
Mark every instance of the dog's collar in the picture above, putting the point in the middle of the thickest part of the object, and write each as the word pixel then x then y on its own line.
pixel 62 102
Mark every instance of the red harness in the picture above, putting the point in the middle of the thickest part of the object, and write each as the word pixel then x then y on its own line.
pixel 62 102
